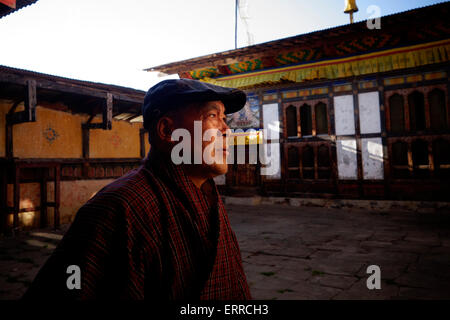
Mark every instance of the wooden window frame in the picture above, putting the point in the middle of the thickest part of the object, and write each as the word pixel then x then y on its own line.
pixel 312 103
pixel 315 148
pixel 425 90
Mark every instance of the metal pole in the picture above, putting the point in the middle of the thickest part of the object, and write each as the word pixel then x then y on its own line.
pixel 235 23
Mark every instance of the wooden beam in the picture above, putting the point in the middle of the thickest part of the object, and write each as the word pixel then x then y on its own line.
pixel 85 133
pixel 66 86
pixel 107 112
pixel 30 101
pixel 3 199
pixel 57 196
pixel 9 141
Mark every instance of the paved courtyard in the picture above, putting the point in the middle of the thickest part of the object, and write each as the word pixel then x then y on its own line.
pixel 301 253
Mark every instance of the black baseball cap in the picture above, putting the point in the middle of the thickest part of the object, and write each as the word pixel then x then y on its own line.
pixel 167 94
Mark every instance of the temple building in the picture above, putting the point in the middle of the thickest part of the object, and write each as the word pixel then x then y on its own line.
pixel 351 112
pixel 62 140
pixel 354 111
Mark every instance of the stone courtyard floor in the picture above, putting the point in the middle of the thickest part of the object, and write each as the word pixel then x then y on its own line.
pixel 300 253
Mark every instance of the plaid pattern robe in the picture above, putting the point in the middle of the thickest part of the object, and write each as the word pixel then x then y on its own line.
pixel 150 234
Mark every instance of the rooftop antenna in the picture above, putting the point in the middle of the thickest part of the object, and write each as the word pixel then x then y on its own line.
pixel 350 8
pixel 235 22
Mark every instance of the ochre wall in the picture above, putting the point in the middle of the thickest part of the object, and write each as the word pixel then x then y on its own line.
pixel 122 141
pixel 147 144
pixel 58 134
pixel 71 201
pixel 55 134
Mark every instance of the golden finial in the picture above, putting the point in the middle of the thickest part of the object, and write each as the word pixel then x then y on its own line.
pixel 350 8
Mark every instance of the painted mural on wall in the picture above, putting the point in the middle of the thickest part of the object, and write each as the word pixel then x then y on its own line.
pixel 247 117
pixel 115 140
pixel 50 134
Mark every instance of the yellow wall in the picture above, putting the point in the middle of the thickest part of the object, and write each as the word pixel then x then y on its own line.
pixel 58 134
pixel 122 141
pixel 55 134
pixel 147 145
pixel 70 201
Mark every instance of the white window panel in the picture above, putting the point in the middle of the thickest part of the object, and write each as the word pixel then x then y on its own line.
pixel 347 160
pixel 372 158
pixel 271 122
pixel 344 115
pixel 270 153
pixel 369 112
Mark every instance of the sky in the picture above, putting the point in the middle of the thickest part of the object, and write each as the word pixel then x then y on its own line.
pixel 112 41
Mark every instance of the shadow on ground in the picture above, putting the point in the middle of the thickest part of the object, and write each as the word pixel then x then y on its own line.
pixel 300 253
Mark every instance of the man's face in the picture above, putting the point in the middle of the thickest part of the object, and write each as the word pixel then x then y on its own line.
pixel 212 118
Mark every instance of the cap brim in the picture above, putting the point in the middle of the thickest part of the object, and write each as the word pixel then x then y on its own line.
pixel 233 101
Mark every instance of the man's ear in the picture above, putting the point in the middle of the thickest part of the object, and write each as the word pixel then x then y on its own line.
pixel 164 129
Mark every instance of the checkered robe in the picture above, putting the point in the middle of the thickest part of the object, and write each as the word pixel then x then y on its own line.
pixel 150 234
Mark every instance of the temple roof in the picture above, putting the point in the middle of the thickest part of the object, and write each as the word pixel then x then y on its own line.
pixel 398 30
pixel 5 10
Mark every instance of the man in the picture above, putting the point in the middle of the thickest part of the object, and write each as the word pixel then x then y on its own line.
pixel 161 231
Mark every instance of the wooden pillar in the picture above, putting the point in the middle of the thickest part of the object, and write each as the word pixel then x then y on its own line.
pixel 43 211
pixel 85 142
pixel 410 159
pixel 358 139
pixel 9 141
pixel 333 139
pixel 3 199
pixel 431 167
pixel 385 119
pixel 16 198
pixel 316 165
pixel 57 195
pixel 30 101
pixel 107 112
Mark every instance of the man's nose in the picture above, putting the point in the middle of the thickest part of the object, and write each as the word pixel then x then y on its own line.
pixel 225 125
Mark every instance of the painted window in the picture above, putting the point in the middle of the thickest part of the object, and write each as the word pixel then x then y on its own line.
pixel 438 114
pixel 323 162
pixel 400 160
pixel 321 118
pixel 416 111
pixel 420 158
pixel 441 156
pixel 291 121
pixel 306 120
pixel 293 163
pixel 397 113
pixel 308 162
